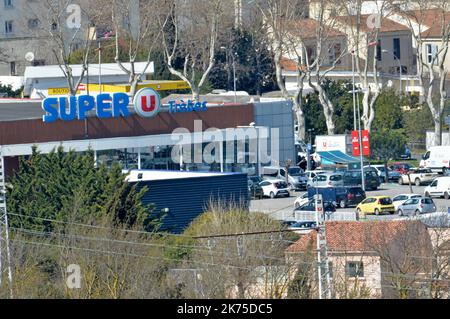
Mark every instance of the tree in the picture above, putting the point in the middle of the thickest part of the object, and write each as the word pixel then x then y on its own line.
pixel 141 38
pixel 389 115
pixel 388 144
pixel 363 40
pixel 279 17
pixel 234 266
pixel 7 89
pixel 432 71
pixel 64 40
pixel 338 92
pixel 190 34
pixel 253 63
pixel 46 187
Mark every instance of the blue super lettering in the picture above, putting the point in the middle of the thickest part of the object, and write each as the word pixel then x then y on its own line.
pixel 86 103
pixel 104 106
pixel 71 108
pixel 50 106
pixel 120 104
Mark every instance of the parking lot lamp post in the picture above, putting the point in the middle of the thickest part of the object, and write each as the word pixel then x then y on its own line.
pixel 363 178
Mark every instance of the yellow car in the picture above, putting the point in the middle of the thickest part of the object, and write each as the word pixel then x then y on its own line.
pixel 376 205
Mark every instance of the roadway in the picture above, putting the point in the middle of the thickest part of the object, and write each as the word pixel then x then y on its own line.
pixel 282 208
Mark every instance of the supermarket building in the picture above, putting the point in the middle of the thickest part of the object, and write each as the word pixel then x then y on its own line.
pixel 137 142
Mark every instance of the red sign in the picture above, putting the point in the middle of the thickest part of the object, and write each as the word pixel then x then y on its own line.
pixel 82 87
pixel 365 143
pixel 355 143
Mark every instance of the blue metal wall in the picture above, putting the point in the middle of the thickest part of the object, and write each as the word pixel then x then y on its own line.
pixel 187 198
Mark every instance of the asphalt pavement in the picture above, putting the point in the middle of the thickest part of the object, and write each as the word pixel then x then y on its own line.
pixel 282 208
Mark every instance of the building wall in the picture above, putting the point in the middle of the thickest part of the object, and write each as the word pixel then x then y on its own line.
pixel 278 115
pixel 36 131
pixel 371 280
pixel 36 39
pixel 187 198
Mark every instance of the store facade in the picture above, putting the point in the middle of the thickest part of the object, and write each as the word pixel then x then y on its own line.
pixel 138 142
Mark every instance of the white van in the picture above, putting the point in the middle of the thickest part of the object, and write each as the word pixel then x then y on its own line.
pixel 297 179
pixel 440 187
pixel 437 158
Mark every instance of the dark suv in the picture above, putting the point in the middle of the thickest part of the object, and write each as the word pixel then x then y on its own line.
pixel 349 196
pixel 371 179
pixel 254 189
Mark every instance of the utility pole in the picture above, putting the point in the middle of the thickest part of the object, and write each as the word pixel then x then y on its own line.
pixel 323 271
pixel 5 253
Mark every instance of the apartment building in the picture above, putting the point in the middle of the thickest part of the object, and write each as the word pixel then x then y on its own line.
pixel 26 25
pixel 396 48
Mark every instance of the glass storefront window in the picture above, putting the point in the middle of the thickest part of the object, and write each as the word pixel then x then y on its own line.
pixel 127 158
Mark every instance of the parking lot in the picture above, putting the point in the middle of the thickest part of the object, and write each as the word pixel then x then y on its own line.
pixel 282 208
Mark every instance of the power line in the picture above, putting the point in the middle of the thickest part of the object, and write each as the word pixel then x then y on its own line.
pixel 167 246
pixel 162 234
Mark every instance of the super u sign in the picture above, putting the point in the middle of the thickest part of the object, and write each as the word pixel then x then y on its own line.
pixel 147 102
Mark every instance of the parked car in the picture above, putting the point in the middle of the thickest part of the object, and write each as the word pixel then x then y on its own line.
pixel 301 200
pixel 381 171
pixel 254 189
pixel 416 206
pixel 311 207
pixel 376 205
pixel 296 177
pixel 350 196
pixel 400 199
pixel 418 176
pixel 288 223
pixel 371 179
pixel 302 227
pixel 339 196
pixel 311 174
pixel 440 187
pixel 327 179
pixel 275 188
pixel 401 168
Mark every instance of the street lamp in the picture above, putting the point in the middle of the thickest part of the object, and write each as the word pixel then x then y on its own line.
pixel 399 67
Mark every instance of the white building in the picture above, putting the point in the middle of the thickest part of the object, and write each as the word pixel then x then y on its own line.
pixel 25 26
pixel 39 79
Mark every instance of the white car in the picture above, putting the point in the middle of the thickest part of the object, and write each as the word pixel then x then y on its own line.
pixel 275 188
pixel 301 200
pixel 400 199
pixel 418 176
pixel 440 187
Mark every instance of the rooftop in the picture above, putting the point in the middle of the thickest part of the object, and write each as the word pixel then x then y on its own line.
pixel 351 236
pixel 20 109
pixel 387 25
pixel 156 175
pixel 55 71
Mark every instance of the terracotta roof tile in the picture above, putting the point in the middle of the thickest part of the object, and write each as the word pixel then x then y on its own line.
pixel 306 29
pixel 432 18
pixel 387 25
pixel 360 236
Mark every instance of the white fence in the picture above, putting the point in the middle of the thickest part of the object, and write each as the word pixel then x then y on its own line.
pixel 311 216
